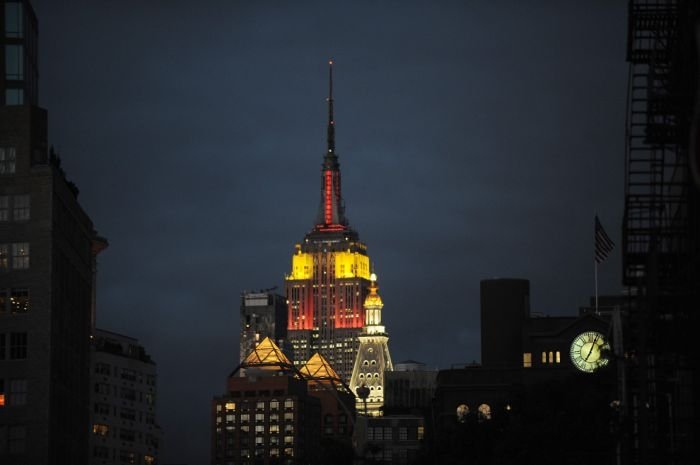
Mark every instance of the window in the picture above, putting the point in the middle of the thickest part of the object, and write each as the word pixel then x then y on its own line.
pixel 101 409
pixel 2 347
pixel 14 97
pixel 288 416
pixel 14 62
pixel 19 300
pixel 14 20
pixel 129 375
pixel 274 429
pixel 379 434
pixel 18 346
pixel 274 404
pixel 17 439
pixel 128 414
pixel 551 357
pixel 558 354
pixel 100 429
pixel 102 388
pixel 288 440
pixel 20 207
pixel 259 417
pixel 544 357
pixel 2 393
pixel 231 406
pixel 403 433
pixel 102 368
pixel 289 404
pixel 128 394
pixel 4 207
pixel 127 456
pixel 260 405
pixel 127 435
pixel 8 160
pixel 18 392
pixel 149 459
pixel 20 255
pixel 527 360
pixel 387 433
pixel 101 452
pixel 462 412
pixel 260 429
pixel 4 253
pixel 484 412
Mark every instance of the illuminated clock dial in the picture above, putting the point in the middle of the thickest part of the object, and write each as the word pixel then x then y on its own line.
pixel 588 351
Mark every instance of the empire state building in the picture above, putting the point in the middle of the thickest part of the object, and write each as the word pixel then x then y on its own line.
pixel 330 273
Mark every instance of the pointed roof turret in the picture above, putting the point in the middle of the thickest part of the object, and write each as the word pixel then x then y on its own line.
pixel 319 370
pixel 266 355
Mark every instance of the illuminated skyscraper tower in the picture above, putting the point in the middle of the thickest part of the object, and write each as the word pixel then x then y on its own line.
pixel 373 357
pixel 330 275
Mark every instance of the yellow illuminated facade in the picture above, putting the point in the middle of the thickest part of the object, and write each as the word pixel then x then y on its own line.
pixel 302 266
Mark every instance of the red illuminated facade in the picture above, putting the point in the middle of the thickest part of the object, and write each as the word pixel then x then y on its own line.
pixel 330 275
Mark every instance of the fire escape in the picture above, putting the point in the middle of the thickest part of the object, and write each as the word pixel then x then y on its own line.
pixel 660 234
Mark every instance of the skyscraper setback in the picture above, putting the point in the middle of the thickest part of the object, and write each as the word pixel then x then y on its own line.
pixel 330 273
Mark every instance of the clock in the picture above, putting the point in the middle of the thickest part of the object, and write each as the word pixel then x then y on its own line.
pixel 588 351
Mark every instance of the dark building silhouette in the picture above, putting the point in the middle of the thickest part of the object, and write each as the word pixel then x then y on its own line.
pixel 263 314
pixel 661 235
pixel 47 262
pixel 545 377
pixel 504 309
pixel 329 279
pixel 123 390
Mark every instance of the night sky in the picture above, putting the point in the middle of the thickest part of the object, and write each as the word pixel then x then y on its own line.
pixel 476 140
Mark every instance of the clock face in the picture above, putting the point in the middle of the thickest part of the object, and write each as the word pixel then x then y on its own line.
pixel 588 351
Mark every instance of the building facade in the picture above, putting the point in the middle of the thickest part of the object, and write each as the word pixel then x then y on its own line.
pixel 123 402
pixel 373 359
pixel 267 416
pixel 329 278
pixel 47 261
pixel 263 314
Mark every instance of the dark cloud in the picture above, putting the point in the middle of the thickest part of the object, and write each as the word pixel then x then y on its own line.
pixel 476 140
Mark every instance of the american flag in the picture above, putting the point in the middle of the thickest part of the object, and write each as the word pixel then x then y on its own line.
pixel 603 243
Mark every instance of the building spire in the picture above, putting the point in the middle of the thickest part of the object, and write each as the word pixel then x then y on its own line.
pixel 331 122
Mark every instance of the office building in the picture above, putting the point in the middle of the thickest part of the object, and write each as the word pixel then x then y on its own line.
pixel 329 278
pixel 267 416
pixel 48 247
pixel 263 314
pixel 123 402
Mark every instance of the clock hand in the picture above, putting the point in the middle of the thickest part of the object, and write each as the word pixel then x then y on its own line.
pixel 591 349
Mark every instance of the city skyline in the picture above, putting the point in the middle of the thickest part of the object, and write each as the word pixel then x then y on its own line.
pixel 441 199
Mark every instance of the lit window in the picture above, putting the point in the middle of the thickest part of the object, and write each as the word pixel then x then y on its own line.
pixel 149 459
pixel 229 406
pixel 260 429
pixel 462 412
pixel 274 429
pixel 289 404
pixel 100 429
pixel 4 207
pixel 19 300
pixel 527 360
pixel 18 346
pixel 18 392
pixel 14 20
pixel 259 417
pixel 14 62
pixel 4 256
pixel 20 208
pixel 8 160
pixel 260 405
pixel 551 357
pixel 274 404
pixel 2 390
pixel 558 357
pixel 484 412
pixel 289 451
pixel 288 416
pixel 288 440
pixel 20 255
pixel 544 357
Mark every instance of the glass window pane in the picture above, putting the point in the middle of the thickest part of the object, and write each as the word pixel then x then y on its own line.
pixel 14 26
pixel 14 97
pixel 14 62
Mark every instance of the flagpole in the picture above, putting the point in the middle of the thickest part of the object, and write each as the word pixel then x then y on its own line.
pixel 595 277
